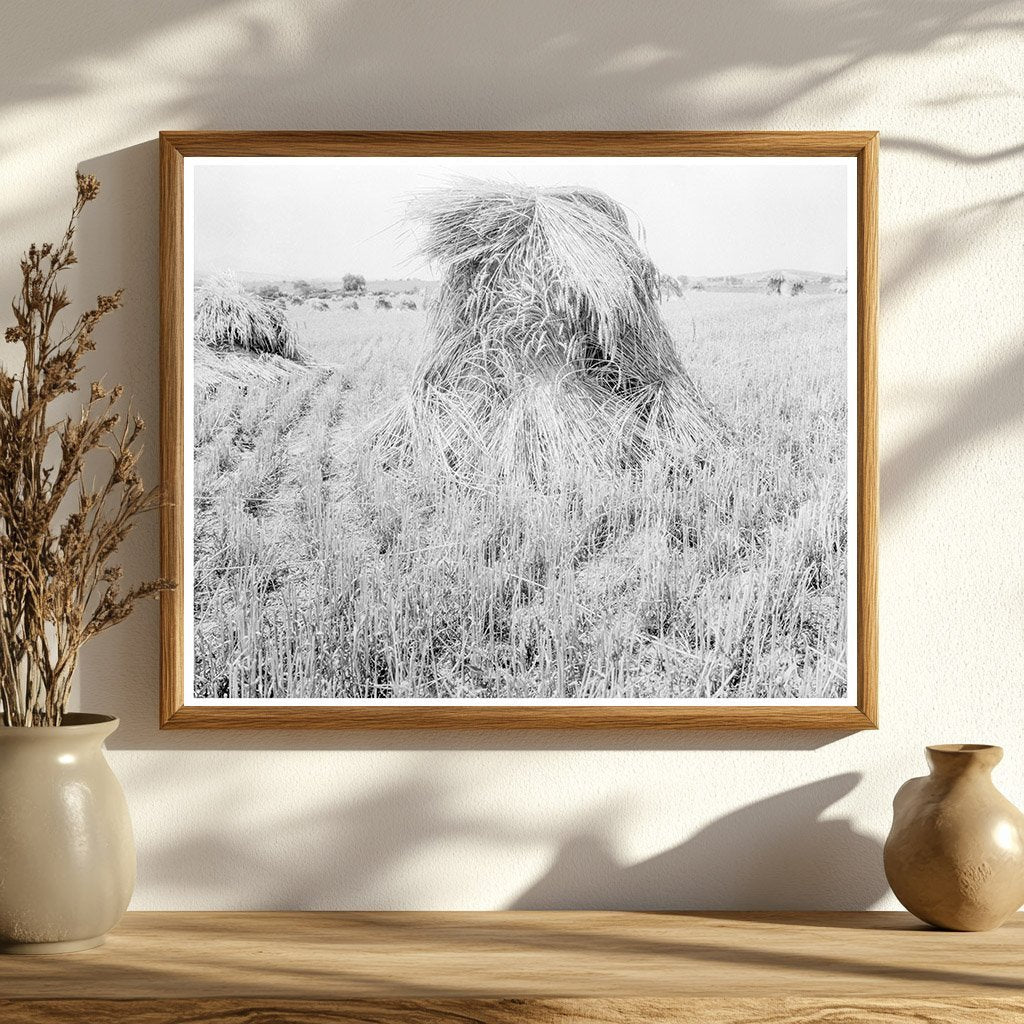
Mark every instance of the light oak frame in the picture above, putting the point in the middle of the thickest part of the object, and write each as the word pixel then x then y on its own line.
pixel 176 146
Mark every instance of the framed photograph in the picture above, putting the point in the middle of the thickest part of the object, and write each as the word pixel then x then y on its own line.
pixel 519 430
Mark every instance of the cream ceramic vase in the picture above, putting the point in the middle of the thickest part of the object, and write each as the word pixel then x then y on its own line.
pixel 955 855
pixel 67 856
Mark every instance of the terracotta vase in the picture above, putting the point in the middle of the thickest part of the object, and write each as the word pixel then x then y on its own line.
pixel 67 856
pixel 955 855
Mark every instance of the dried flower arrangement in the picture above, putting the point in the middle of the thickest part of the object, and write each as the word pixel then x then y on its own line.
pixel 58 588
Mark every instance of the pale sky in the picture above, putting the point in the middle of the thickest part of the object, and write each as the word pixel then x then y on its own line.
pixel 325 217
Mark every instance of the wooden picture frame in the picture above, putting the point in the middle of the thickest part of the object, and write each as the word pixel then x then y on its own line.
pixel 177 147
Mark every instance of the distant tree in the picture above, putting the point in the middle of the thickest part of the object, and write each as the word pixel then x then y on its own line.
pixel 668 286
pixel 683 280
pixel 779 284
pixel 733 282
pixel 270 292
pixel 353 284
pixel 303 289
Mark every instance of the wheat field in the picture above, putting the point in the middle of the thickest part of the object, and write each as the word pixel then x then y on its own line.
pixel 320 573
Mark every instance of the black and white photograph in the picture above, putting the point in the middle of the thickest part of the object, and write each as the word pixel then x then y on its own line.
pixel 520 430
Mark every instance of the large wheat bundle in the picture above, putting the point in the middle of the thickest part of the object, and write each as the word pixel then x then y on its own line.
pixel 549 348
pixel 213 368
pixel 227 317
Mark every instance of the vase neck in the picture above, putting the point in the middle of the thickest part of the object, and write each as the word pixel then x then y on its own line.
pixel 76 729
pixel 952 760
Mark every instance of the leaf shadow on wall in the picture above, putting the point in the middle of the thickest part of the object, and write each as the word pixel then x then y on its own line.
pixel 777 853
pixel 991 402
pixel 403 844
pixel 939 243
pixel 378 64
pixel 297 57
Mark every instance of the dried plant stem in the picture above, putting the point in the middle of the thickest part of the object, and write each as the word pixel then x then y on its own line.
pixel 58 588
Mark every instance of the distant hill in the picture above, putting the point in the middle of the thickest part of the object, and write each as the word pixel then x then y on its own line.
pixel 757 276
pixel 252 278
pixel 755 280
pixel 804 275
pixel 405 284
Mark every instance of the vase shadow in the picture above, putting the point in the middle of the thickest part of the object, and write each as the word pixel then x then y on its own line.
pixel 776 854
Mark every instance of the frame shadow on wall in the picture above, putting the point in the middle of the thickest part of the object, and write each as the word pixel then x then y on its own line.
pixel 119 671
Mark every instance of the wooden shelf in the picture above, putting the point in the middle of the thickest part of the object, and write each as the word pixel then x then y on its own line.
pixel 415 968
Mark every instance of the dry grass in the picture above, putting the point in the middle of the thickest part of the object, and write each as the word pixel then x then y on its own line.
pixel 64 509
pixel 319 575
pixel 229 318
pixel 549 344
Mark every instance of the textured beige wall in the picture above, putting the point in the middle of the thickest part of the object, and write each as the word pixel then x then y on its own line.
pixel 698 820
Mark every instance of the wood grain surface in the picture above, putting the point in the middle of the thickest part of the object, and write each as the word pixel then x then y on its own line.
pixel 524 966
pixel 172 437
pixel 526 954
pixel 516 1011
pixel 176 146
pixel 491 143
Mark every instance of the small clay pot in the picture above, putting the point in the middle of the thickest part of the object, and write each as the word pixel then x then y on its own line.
pixel 955 854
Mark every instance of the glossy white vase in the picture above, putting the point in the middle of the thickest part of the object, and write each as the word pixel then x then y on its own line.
pixel 67 855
